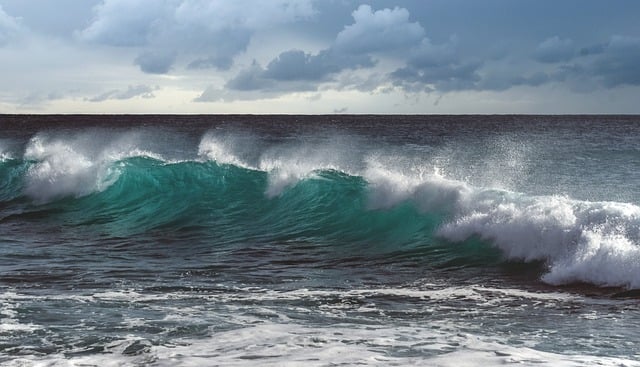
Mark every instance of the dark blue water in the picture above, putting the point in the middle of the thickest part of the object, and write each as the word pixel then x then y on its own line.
pixel 267 240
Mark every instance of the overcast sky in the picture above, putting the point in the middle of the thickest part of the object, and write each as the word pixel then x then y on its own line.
pixel 319 56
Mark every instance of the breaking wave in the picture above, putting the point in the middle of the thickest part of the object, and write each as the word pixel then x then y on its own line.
pixel 236 187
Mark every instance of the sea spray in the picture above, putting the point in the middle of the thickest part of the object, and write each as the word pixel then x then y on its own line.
pixel 592 242
pixel 331 193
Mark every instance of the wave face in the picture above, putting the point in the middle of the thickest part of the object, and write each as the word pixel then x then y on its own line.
pixel 340 190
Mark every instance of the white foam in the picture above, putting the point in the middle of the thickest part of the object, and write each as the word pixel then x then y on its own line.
pixel 581 241
pixel 483 353
pixel 291 344
pixel 593 242
pixel 78 165
pixel 60 170
pixel 225 149
pixel 4 151
pixel 287 171
pixel 285 163
pixel 423 185
pixel 264 335
pixel 290 164
pixel 9 322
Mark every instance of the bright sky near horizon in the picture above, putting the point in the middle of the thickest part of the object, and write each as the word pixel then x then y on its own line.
pixel 319 56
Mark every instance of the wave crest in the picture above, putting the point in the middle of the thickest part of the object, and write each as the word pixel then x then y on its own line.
pixel 77 166
pixel 592 242
pixel 327 189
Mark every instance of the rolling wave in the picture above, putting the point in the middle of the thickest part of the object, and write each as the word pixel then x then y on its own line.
pixel 332 195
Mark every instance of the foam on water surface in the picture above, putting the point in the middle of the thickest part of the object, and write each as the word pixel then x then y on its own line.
pixel 293 344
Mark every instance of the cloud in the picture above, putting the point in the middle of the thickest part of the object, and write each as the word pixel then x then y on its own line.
pixel 555 49
pixel 291 71
pixel 210 32
pixel 56 19
pixel 210 94
pixel 437 67
pixel 619 62
pixel 297 65
pixel 609 65
pixel 155 62
pixel 376 39
pixel 218 94
pixel 441 68
pixel 10 27
pixel 340 110
pixel 380 31
pixel 251 78
pixel 219 62
pixel 38 99
pixel 593 50
pixel 501 81
pixel 143 91
pixel 127 22
pixel 383 31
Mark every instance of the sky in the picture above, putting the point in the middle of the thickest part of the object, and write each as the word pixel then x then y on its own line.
pixel 320 56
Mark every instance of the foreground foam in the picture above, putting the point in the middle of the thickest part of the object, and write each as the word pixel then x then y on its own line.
pixel 430 324
pixel 275 344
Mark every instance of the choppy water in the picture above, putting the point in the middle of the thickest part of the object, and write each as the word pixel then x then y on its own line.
pixel 319 240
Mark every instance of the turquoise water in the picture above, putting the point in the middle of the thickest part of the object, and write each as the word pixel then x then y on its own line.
pixel 169 240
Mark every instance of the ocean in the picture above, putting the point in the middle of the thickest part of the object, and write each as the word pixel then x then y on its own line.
pixel 319 240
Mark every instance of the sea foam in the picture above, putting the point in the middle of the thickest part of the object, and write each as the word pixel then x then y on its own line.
pixel 593 242
pixel 283 344
pixel 76 166
pixel 580 241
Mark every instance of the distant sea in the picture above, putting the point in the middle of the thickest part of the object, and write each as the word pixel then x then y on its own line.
pixel 319 240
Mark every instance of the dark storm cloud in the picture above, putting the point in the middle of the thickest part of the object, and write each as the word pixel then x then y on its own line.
pixel 502 81
pixel 297 65
pixel 437 67
pixel 372 32
pixel 554 50
pixel 296 70
pixel 445 78
pixel 619 63
pixel 564 42
pixel 607 65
